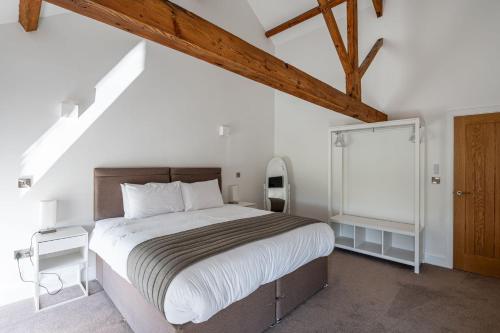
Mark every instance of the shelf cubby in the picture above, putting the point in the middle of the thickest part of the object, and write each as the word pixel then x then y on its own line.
pixel 344 235
pixel 369 240
pixel 399 247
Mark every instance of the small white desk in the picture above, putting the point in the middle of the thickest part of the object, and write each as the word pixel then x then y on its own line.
pixel 63 248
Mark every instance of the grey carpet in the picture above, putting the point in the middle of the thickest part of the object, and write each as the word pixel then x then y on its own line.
pixel 94 314
pixel 370 295
pixel 365 295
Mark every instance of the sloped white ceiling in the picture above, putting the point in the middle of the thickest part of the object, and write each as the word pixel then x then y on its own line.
pixel 270 14
pixel 9 11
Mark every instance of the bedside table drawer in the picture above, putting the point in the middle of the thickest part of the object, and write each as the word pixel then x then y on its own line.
pixel 62 244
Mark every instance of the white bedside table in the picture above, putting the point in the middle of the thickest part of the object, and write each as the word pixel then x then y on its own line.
pixel 63 248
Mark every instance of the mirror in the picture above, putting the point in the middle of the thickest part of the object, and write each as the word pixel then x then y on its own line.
pixel 276 187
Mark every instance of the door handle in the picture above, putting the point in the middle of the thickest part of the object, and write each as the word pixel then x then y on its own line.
pixel 461 193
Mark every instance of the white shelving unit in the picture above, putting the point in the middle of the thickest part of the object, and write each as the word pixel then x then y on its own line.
pixel 373 237
pixel 394 240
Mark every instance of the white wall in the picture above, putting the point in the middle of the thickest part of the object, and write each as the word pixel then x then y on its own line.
pixel 169 116
pixel 438 56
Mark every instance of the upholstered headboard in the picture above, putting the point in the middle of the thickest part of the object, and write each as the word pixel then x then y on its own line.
pixel 108 202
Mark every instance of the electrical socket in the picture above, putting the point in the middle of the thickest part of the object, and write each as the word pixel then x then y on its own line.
pixel 24 253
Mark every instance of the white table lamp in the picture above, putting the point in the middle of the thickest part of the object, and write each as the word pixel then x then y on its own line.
pixel 48 216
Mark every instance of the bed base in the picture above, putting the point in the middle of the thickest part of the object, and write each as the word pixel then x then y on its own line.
pixel 263 308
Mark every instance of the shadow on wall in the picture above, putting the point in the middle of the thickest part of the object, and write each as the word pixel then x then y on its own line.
pixel 51 146
pixel 316 210
pixel 312 210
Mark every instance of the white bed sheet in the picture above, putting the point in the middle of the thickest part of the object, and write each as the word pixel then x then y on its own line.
pixel 208 286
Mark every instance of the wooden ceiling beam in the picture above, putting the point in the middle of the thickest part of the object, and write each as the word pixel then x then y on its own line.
pixel 353 79
pixel 371 55
pixel 379 7
pixel 168 24
pixel 29 14
pixel 293 22
pixel 334 31
pixel 302 17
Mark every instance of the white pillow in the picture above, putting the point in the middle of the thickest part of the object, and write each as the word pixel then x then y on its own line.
pixel 201 195
pixel 153 199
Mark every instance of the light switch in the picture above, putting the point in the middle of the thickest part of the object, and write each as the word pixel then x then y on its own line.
pixel 224 130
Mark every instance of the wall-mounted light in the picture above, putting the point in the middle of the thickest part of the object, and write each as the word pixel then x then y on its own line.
pixel 24 183
pixel 224 130
pixel 70 109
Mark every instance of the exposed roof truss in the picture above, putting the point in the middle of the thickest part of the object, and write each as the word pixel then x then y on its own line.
pixel 168 24
pixel 348 55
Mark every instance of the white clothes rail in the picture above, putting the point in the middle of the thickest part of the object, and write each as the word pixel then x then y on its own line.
pixel 359 198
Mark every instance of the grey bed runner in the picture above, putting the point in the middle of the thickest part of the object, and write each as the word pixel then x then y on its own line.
pixel 153 264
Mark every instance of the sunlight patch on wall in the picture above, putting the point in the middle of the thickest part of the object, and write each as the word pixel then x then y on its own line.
pixel 49 148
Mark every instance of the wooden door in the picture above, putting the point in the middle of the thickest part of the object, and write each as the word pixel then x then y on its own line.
pixel 477 194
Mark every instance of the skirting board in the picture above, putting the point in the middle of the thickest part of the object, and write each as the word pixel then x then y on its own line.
pixel 437 260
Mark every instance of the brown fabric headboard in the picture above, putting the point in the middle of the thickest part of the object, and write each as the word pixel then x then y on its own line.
pixel 108 202
pixel 193 175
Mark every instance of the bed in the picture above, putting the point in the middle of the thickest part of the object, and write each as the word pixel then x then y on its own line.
pixel 228 292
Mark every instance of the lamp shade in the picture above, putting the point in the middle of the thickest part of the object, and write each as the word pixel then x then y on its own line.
pixel 48 214
pixel 234 193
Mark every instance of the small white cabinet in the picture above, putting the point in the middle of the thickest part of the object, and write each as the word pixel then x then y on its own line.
pixel 374 189
pixel 64 248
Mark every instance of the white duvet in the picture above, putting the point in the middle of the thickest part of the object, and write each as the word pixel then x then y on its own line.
pixel 203 289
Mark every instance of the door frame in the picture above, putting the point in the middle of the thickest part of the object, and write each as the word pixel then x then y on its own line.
pixel 450 168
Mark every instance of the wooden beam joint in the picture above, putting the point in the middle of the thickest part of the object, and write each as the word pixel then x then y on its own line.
pixel 353 79
pixel 334 31
pixel 370 56
pixel 350 57
pixel 330 4
pixel 303 17
pixel 378 5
